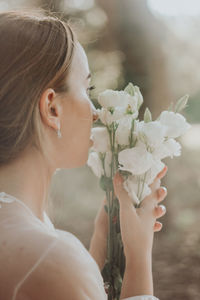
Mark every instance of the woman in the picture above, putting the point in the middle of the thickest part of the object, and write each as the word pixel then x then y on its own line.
pixel 46 118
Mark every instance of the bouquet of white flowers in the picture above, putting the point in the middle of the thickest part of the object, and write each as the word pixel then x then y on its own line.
pixel 136 148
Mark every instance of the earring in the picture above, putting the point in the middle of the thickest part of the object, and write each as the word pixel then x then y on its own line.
pixel 59 132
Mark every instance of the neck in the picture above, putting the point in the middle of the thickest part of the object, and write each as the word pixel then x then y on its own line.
pixel 28 179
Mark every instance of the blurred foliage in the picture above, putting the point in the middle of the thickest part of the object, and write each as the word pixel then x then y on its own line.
pixel 192 112
pixel 176 252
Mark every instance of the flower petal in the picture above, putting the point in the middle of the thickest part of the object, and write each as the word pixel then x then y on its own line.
pixel 136 160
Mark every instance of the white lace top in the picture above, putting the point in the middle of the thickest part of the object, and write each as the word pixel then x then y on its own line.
pixel 16 221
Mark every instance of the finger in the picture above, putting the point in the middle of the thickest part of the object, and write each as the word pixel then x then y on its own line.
pixel 161 194
pixel 162 173
pixel 159 211
pixel 157 226
pixel 121 193
pixel 155 185
pixel 149 203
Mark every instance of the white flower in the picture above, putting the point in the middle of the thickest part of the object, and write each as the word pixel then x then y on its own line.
pixel 117 100
pixel 145 192
pixel 131 186
pixel 156 168
pixel 94 162
pixel 151 133
pixel 100 136
pixel 136 160
pixel 110 98
pixel 123 130
pixel 107 117
pixel 134 90
pixel 176 124
pixel 139 96
pixel 168 148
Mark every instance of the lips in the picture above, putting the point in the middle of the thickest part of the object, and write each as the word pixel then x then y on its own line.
pixel 91 142
pixel 91 139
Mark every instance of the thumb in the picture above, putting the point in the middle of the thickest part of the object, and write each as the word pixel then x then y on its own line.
pixel 120 192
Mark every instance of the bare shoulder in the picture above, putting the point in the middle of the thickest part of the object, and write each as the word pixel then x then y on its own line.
pixel 67 271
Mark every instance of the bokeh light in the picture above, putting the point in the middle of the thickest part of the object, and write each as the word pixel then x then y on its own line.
pixel 175 7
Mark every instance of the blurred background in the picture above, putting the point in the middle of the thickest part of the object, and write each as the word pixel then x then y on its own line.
pixel 156 45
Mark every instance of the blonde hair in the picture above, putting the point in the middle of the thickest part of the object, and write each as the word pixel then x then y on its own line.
pixel 36 51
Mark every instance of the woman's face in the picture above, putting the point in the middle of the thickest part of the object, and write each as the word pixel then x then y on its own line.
pixel 78 113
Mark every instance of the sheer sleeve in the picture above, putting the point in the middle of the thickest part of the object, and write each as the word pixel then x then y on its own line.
pixel 32 269
pixel 40 262
pixel 65 270
pixel 63 273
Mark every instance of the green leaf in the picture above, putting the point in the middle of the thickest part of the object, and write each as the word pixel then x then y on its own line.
pixel 106 271
pixel 181 104
pixel 130 89
pixel 105 183
pixel 171 107
pixel 147 116
pixel 102 183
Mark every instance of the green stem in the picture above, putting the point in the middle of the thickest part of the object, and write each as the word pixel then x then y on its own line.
pixel 138 189
pixel 109 226
pixel 143 182
pixel 112 260
pixel 131 135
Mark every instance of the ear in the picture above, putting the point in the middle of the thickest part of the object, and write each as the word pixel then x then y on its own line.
pixel 50 108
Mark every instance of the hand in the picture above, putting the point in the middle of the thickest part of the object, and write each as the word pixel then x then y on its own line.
pixel 138 225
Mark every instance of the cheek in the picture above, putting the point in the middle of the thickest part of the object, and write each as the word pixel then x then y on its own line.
pixel 84 113
pixel 78 121
pixel 81 105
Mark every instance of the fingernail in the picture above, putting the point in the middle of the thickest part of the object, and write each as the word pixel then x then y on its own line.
pixel 165 168
pixel 163 208
pixel 162 191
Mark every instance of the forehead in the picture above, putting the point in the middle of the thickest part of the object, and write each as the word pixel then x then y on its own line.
pixel 79 66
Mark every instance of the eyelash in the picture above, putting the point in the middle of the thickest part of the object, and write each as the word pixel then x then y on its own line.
pixel 92 87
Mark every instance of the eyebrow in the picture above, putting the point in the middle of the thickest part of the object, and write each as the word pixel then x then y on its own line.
pixel 89 76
